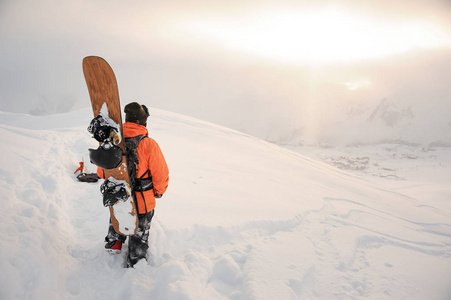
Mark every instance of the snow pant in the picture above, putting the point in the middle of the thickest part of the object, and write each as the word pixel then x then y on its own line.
pixel 137 243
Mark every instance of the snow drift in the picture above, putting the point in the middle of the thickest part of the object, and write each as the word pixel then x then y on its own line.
pixel 242 219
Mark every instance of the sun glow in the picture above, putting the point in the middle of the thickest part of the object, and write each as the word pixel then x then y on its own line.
pixel 357 84
pixel 326 35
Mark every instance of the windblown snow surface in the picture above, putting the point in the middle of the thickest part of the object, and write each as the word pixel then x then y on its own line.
pixel 242 218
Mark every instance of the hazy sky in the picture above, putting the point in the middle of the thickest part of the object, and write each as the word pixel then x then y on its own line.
pixel 226 60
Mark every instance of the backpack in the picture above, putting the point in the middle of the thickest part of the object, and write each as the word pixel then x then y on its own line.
pixel 144 182
pixel 85 177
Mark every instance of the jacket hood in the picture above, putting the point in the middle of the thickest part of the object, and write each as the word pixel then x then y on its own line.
pixel 133 129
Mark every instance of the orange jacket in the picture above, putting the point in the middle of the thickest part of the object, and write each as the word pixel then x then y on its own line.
pixel 150 158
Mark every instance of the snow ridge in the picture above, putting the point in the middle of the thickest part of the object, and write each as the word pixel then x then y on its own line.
pixel 242 219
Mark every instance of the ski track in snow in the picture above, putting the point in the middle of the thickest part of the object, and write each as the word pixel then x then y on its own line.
pixel 325 234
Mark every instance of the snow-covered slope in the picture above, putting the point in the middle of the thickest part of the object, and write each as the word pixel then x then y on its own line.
pixel 242 219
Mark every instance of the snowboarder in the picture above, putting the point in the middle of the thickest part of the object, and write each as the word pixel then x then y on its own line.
pixel 149 182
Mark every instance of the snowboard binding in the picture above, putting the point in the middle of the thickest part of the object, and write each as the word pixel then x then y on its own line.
pixel 102 130
pixel 113 192
pixel 108 155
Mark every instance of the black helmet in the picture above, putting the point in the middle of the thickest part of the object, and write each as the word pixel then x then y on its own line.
pixel 106 156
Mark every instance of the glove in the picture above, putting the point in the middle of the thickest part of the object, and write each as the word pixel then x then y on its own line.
pixel 158 196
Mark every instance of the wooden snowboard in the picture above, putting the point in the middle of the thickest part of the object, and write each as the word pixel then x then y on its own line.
pixel 104 95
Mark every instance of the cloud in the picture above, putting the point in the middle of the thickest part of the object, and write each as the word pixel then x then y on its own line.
pixel 158 61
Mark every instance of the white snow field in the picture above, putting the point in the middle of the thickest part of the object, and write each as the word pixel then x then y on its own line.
pixel 242 218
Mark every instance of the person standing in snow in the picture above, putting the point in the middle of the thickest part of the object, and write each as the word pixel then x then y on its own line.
pixel 152 168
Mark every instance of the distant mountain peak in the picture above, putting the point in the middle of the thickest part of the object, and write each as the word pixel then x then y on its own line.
pixel 391 114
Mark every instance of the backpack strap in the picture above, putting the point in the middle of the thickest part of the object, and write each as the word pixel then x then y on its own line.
pixel 142 183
